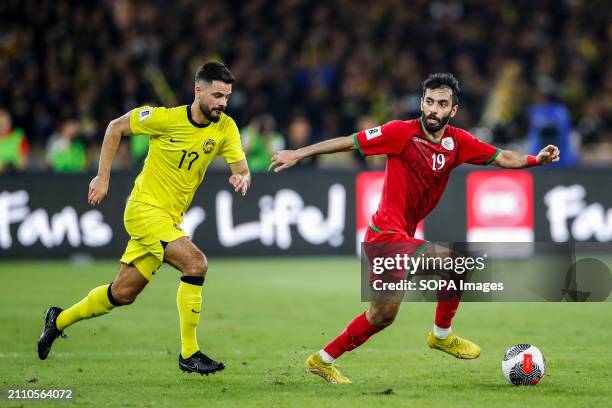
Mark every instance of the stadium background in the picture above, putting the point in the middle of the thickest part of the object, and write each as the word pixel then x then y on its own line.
pixel 532 72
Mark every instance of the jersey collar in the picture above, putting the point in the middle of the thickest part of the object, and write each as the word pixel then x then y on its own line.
pixel 193 122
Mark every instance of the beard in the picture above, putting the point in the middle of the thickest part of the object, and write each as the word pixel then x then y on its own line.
pixel 208 113
pixel 440 122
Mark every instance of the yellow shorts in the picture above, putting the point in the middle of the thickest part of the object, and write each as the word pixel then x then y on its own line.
pixel 148 227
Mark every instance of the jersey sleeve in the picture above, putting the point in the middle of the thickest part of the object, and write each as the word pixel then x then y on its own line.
pixel 231 150
pixel 149 120
pixel 474 151
pixel 389 138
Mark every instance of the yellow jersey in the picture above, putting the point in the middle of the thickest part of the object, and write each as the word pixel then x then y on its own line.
pixel 180 151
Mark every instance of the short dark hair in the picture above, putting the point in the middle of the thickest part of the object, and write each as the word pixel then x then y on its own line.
pixel 214 71
pixel 443 80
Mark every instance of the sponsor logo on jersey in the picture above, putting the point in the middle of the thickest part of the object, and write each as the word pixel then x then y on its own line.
pixel 209 146
pixel 418 139
pixel 374 132
pixel 448 143
pixel 144 114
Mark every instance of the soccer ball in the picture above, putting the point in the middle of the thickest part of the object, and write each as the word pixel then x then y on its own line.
pixel 523 364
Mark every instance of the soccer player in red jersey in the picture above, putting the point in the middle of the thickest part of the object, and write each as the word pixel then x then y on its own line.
pixel 420 156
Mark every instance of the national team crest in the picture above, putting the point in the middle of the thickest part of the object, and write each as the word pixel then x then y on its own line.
pixel 448 143
pixel 209 146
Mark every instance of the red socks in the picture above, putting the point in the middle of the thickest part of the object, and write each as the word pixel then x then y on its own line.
pixel 359 330
pixel 355 334
pixel 448 302
pixel 445 311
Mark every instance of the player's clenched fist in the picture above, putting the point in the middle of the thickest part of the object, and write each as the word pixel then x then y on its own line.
pixel 98 187
pixel 283 159
pixel 548 155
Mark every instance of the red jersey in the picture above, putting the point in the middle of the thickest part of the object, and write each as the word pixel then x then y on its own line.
pixel 417 168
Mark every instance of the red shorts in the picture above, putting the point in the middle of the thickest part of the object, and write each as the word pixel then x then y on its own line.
pixel 389 244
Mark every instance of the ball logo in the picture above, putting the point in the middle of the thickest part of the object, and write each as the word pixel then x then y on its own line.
pixel 448 143
pixel 527 363
pixel 209 146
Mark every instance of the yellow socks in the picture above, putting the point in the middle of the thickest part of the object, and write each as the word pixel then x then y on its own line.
pixel 188 301
pixel 96 303
pixel 189 304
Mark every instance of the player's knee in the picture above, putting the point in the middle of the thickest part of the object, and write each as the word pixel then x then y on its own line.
pixel 381 317
pixel 383 320
pixel 123 295
pixel 198 265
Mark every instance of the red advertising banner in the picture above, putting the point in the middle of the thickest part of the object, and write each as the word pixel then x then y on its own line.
pixel 500 206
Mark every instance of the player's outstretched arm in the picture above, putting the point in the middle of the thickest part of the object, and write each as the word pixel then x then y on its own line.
pixel 98 187
pixel 283 159
pixel 508 159
pixel 241 176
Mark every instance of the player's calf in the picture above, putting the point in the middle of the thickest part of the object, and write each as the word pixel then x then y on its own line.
pixel 99 301
pixel 186 257
pixel 358 331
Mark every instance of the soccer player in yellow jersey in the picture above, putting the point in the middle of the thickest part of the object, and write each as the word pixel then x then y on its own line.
pixel 183 142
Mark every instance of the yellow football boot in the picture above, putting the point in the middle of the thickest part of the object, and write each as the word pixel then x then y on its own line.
pixel 329 372
pixel 454 345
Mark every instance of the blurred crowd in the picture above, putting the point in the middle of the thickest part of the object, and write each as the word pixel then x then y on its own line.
pixel 532 72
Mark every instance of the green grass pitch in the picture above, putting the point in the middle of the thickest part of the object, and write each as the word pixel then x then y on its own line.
pixel 263 317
